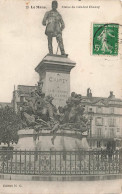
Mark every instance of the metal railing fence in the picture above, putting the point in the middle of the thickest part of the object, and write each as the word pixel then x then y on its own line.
pixel 60 162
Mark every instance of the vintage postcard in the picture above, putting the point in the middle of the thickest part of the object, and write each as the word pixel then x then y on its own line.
pixel 61 96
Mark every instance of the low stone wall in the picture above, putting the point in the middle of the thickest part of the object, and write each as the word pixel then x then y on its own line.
pixel 59 178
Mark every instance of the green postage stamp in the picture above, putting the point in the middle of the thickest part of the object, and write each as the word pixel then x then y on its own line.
pixel 105 39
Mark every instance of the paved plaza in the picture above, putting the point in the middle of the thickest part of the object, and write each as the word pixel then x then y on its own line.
pixel 80 187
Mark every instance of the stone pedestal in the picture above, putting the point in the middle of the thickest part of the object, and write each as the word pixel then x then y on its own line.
pixel 27 139
pixel 68 140
pixel 54 71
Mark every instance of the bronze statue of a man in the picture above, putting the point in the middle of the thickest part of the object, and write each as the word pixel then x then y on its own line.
pixel 54 26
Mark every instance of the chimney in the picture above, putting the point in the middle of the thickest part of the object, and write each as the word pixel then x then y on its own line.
pixel 89 93
pixel 111 95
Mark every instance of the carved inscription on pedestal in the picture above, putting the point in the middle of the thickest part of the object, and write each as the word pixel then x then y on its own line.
pixel 58 86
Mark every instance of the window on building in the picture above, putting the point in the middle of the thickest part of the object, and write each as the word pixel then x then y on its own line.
pixel 98 144
pixel 111 133
pixel 118 129
pixel 99 121
pixel 90 109
pixel 21 98
pixel 99 109
pixel 112 122
pixel 99 132
pixel 111 110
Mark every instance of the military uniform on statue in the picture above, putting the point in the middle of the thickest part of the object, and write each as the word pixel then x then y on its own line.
pixel 54 27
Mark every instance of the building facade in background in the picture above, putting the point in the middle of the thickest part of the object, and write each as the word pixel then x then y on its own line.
pixel 4 104
pixel 20 94
pixel 105 116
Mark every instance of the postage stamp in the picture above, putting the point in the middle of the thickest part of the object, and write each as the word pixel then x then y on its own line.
pixel 105 39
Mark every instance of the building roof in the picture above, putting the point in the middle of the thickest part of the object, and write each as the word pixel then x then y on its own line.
pixel 111 100
pixel 101 101
pixel 24 89
pixel 3 104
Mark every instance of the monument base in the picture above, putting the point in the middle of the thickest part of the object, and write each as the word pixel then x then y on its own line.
pixel 30 140
pixel 26 140
pixel 54 72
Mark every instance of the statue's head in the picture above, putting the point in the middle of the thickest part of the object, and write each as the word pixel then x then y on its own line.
pixel 73 94
pixel 32 94
pixel 40 84
pixel 54 5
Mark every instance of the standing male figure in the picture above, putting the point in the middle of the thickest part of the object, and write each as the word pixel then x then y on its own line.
pixel 54 26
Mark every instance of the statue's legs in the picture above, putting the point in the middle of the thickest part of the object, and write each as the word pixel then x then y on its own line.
pixel 50 48
pixel 60 43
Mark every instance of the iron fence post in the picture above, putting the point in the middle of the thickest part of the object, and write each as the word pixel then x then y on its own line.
pixel 70 162
pixel 25 161
pixel 55 162
pixel 20 161
pixel 89 163
pixel 50 162
pixel 7 161
pixel 120 161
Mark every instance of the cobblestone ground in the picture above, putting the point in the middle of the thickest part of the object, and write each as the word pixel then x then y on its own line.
pixel 85 187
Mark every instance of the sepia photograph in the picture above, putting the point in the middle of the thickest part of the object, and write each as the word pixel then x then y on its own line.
pixel 61 97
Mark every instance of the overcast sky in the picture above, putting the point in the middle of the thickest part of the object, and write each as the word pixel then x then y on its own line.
pixel 23 45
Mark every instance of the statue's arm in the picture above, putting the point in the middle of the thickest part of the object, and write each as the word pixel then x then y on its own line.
pixel 62 23
pixel 45 19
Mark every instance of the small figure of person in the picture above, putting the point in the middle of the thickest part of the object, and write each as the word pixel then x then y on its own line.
pixel 54 26
pixel 38 90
